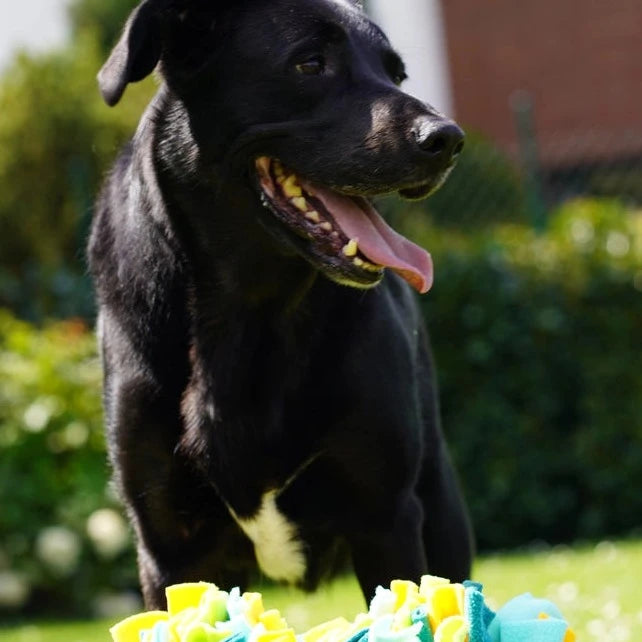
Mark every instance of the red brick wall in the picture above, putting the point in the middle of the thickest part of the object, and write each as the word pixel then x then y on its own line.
pixel 581 60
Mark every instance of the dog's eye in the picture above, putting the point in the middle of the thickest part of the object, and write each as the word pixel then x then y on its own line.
pixel 311 67
pixel 394 67
pixel 399 78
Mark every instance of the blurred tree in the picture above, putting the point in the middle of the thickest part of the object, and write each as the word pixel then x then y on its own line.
pixel 56 141
pixel 104 17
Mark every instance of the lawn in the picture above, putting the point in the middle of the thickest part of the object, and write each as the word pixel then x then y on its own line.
pixel 598 589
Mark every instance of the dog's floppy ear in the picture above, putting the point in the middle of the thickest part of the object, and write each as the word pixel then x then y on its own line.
pixel 136 53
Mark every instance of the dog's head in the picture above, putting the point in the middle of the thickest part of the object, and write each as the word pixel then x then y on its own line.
pixel 305 94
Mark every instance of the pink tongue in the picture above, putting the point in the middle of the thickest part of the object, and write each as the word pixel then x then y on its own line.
pixel 377 240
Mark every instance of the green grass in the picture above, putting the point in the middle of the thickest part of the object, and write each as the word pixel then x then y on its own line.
pixel 598 588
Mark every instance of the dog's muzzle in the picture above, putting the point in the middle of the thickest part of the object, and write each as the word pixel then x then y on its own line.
pixel 344 236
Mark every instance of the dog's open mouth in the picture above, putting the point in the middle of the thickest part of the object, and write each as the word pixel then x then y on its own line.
pixel 343 235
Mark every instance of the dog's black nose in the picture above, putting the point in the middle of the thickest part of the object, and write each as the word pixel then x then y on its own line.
pixel 440 138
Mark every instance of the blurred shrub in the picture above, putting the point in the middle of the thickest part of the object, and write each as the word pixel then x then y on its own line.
pixel 535 339
pixel 56 140
pixel 62 545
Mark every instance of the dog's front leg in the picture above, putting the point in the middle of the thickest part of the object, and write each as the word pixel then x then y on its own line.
pixel 140 430
pixel 170 508
pixel 391 549
pixel 183 530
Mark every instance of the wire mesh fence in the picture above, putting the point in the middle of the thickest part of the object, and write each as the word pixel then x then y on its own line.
pixel 525 182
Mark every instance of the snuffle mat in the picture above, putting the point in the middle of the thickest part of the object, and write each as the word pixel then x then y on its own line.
pixel 433 611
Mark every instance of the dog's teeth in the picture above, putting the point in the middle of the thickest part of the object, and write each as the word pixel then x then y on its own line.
pixel 300 203
pixel 371 267
pixel 313 216
pixel 278 168
pixel 291 188
pixel 335 234
pixel 263 163
pixel 327 226
pixel 351 248
pixel 366 265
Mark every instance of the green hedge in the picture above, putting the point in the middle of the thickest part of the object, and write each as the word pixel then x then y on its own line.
pixel 63 548
pixel 541 386
pixel 536 340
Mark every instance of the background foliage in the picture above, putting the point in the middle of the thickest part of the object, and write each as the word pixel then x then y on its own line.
pixel 57 139
pixel 541 389
pixel 55 548
pixel 102 19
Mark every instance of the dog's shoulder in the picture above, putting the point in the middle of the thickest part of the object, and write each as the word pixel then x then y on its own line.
pixel 136 261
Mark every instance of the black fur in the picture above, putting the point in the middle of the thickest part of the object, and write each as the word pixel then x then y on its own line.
pixel 232 364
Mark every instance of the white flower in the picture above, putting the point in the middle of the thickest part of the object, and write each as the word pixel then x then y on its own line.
pixel 14 590
pixel 582 232
pixel 76 434
pixel 617 244
pixel 108 532
pixel 59 548
pixel 37 415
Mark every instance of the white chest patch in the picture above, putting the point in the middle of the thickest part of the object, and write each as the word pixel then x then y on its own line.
pixel 278 550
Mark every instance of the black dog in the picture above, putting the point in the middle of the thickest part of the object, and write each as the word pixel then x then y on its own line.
pixel 258 410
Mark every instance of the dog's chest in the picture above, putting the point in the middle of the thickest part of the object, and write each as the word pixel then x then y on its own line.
pixel 277 546
pixel 264 448
pixel 266 421
pixel 273 463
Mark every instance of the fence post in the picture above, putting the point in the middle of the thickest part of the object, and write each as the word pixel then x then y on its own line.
pixel 521 104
